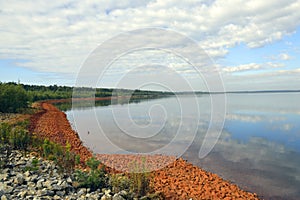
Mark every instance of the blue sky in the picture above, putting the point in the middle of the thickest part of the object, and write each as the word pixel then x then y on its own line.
pixel 254 47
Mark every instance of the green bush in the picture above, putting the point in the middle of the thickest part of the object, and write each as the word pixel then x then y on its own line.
pixel 17 137
pixel 93 179
pixel 77 159
pixel 62 156
pixel 120 182
pixel 34 165
pixel 20 139
pixel 12 98
pixel 5 130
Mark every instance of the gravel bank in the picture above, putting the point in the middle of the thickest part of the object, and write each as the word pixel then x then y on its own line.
pixel 21 179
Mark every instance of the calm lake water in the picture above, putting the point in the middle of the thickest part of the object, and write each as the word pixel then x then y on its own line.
pixel 258 148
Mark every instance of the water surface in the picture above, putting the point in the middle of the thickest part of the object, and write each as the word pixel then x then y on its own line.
pixel 258 149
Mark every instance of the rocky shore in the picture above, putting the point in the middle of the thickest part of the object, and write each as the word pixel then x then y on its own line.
pixel 178 180
pixel 30 177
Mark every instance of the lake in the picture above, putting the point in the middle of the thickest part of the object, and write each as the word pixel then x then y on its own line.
pixel 258 147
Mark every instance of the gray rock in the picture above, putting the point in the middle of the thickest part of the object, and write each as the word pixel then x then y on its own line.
pixel 3 197
pixel 5 171
pixel 144 198
pixel 60 193
pixel 69 180
pixel 53 179
pixel 39 184
pixel 95 196
pixel 50 193
pixel 118 197
pixel 34 178
pixel 106 197
pixel 42 192
pixel 123 193
pixel 31 192
pixel 47 184
pixel 16 190
pixel 30 185
pixel 19 179
pixel 20 162
pixel 56 187
pixel 27 174
pixel 59 182
pixel 4 176
pixel 107 191
pixel 56 197
pixel 22 194
pixel 72 198
pixel 9 182
pixel 81 191
pixel 6 188
pixel 12 173
pixel 64 185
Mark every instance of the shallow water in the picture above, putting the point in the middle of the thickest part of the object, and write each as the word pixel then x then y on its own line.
pixel 258 148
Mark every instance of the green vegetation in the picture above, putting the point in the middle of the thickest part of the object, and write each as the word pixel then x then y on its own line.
pixel 93 179
pixel 140 178
pixel 61 155
pixel 120 182
pixel 12 98
pixel 16 97
pixel 34 165
pixel 16 137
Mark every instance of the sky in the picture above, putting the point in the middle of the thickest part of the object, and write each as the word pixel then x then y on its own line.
pixel 254 44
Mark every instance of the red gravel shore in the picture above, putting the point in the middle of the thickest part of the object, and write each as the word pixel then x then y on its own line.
pixel 178 180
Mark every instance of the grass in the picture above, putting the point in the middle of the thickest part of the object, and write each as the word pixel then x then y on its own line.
pixel 140 177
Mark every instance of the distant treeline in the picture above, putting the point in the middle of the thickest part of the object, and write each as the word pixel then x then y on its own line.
pixel 14 96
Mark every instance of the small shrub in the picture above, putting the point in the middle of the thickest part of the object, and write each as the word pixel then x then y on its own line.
pixel 62 156
pixel 93 179
pixel 46 148
pixel 93 163
pixel 37 144
pixel 5 130
pixel 20 139
pixel 67 160
pixel 17 137
pixel 140 179
pixel 77 159
pixel 120 182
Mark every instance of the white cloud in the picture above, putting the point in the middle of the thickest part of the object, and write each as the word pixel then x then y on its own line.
pixel 275 65
pixel 284 56
pixel 245 67
pixel 245 118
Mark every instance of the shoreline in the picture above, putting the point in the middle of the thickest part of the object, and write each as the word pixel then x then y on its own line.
pixel 178 180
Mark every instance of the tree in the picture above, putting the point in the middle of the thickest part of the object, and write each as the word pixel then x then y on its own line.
pixel 12 98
